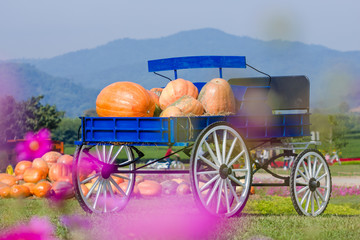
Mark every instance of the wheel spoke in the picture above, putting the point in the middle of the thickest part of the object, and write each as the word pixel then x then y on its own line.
pixel 212 154
pixel 224 146
pixel 304 197
pixel 110 153
pixel 320 195
pixel 206 185
pixel 98 193
pixel 116 154
pixel 236 158
pixel 314 167
pixel 318 170
pixel 226 197
pixel 240 170
pixel 322 176
pixel 305 169
pixel 92 188
pixel 105 193
pixel 219 196
pixel 205 160
pixel 217 147
pixel 213 191
pixel 98 152
pixel 104 153
pixel 110 189
pixel 303 189
pixel 232 190
pixel 309 166
pixel 312 204
pixel 230 151
pixel 303 176
pixel 321 186
pixel 89 178
pixel 117 186
pixel 207 172
pixel 120 176
pixel 236 181
pixel 317 200
pixel 307 202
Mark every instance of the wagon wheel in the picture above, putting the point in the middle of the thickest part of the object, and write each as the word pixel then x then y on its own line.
pixel 94 168
pixel 220 170
pixel 310 183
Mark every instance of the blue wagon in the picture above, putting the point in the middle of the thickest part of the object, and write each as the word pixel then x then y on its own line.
pixel 270 112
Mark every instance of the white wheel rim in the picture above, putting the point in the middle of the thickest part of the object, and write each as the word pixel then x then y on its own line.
pixel 312 166
pixel 225 195
pixel 106 195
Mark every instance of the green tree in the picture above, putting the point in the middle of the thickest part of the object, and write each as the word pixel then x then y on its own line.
pixel 67 130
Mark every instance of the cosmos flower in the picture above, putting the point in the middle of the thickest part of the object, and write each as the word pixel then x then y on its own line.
pixel 34 146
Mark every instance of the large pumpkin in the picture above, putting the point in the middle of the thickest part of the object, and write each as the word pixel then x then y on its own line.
pixel 63 190
pixel 4 191
pixel 58 170
pixel 217 97
pixel 42 189
pixel 21 167
pixel 157 104
pixel 124 99
pixel 51 157
pixel 41 164
pixel 34 175
pixel 172 111
pixel 149 188
pixel 7 179
pixel 157 91
pixel 188 105
pixel 19 191
pixel 30 186
pixel 175 90
pixel 66 159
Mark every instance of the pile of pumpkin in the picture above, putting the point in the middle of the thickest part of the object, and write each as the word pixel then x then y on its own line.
pixel 47 176
pixel 179 98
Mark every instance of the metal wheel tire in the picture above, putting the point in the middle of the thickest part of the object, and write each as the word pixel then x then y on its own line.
pixel 310 183
pixel 108 191
pixel 220 170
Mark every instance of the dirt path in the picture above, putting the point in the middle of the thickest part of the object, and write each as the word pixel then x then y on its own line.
pixel 336 180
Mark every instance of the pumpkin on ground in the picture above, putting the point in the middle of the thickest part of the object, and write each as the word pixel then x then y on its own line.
pixel 30 186
pixel 183 189
pixel 188 105
pixel 19 191
pixel 149 188
pixel 62 190
pixel 175 90
pixel 217 97
pixel 4 190
pixel 51 157
pixel 42 189
pixel 172 111
pixel 67 178
pixel 40 164
pixel 21 167
pixel 66 159
pixel 34 175
pixel 124 99
pixel 7 179
pixel 58 170
pixel 84 189
pixel 157 91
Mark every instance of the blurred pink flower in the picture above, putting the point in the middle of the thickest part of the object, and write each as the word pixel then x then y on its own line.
pixel 36 229
pixel 34 146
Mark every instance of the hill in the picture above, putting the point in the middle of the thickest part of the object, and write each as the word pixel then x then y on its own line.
pixel 334 75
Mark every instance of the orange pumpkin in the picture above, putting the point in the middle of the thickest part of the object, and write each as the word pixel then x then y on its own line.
pixel 5 191
pixel 21 167
pixel 84 189
pixel 175 90
pixel 7 179
pixel 30 186
pixel 157 104
pixel 149 188
pixel 41 164
pixel 124 99
pixel 66 159
pixel 172 111
pixel 188 105
pixel 63 190
pixel 19 191
pixel 34 175
pixel 217 97
pixel 252 191
pixel 42 189
pixel 67 178
pixel 58 170
pixel 157 91
pixel 51 157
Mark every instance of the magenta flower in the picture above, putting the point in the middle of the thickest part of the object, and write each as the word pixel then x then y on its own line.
pixel 34 146
pixel 36 229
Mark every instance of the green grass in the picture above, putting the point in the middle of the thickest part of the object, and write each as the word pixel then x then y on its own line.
pixel 352 149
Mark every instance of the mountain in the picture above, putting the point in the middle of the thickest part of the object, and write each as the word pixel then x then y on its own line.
pixel 23 80
pixel 334 75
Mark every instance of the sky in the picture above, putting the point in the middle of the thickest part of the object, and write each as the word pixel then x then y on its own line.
pixel 44 29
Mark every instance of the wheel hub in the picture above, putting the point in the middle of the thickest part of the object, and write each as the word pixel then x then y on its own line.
pixel 107 170
pixel 224 171
pixel 313 184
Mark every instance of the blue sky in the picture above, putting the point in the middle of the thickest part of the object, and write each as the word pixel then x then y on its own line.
pixel 43 28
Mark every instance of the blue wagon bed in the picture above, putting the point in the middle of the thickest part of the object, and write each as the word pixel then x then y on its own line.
pixel 269 112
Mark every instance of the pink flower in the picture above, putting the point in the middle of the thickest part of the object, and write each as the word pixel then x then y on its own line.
pixel 34 146
pixel 36 229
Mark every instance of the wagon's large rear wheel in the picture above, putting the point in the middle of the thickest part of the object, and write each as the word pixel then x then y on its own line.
pixel 310 183
pixel 94 168
pixel 220 170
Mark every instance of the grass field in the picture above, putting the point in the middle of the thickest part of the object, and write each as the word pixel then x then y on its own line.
pixel 263 217
pixel 352 149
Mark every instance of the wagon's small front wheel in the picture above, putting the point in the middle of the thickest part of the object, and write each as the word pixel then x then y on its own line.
pixel 98 187
pixel 220 170
pixel 310 183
